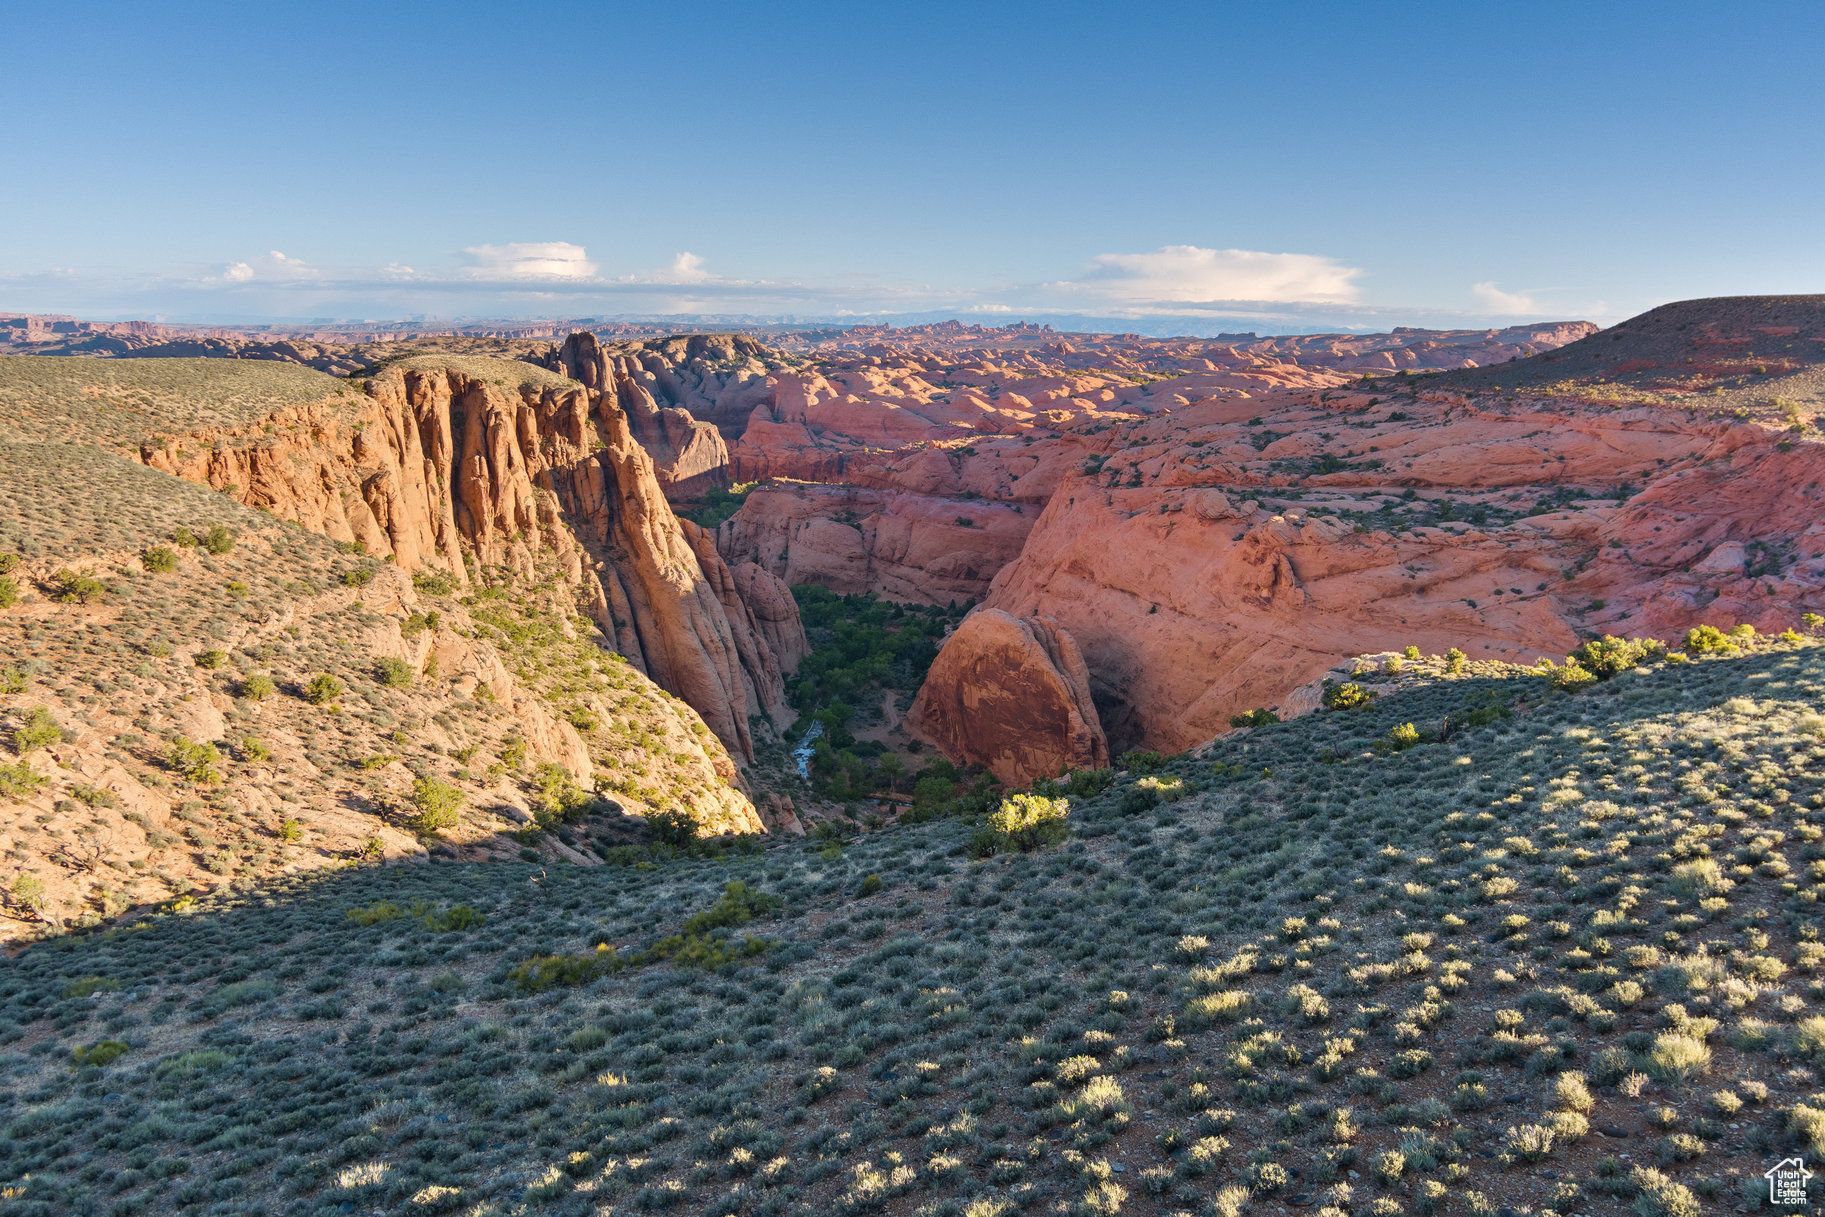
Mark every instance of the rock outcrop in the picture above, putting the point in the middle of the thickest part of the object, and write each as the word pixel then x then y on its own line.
pixel 902 546
pixel 1212 563
pixel 689 456
pixel 458 461
pixel 1013 694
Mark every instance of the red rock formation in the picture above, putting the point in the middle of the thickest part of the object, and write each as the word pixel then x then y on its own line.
pixel 1207 566
pixel 457 460
pixel 901 546
pixel 1014 695
pixel 689 456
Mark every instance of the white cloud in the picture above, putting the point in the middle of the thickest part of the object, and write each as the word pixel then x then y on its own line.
pixel 528 260
pixel 274 267
pixel 1189 274
pixel 687 268
pixel 1501 302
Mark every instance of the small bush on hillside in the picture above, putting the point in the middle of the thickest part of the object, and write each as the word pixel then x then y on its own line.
pixel 436 805
pixel 218 540
pixel 198 763
pixel 1347 696
pixel 40 730
pixel 258 687
pixel 1140 760
pixel 9 593
pixel 1606 656
pixel 98 1055
pixel 1708 640
pixel 73 587
pixel 392 672
pixel 672 826
pixel 1254 718
pixel 17 781
pixel 1570 678
pixel 27 894
pixel 322 689
pixel 1023 822
pixel 160 560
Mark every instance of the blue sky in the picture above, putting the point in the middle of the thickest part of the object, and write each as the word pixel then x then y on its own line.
pixel 1286 165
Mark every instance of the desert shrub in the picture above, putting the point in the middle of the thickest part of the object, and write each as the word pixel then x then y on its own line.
pixel 1570 678
pixel 672 826
pixel 1401 738
pixel 322 689
pixel 433 583
pixel 1708 640
pixel 211 659
pixel 12 680
pixel 392 672
pixel 1225 1006
pixel 436 805
pixel 1254 718
pixel 1347 696
pixel 360 576
pixel 1454 661
pixel 98 1055
pixel 9 592
pixel 27 893
pixel 39 730
pixel 1023 822
pixel 75 587
pixel 1606 656
pixel 17 781
pixel 258 687
pixel 1659 1196
pixel 1677 1057
pixel 1141 760
pixel 160 559
pixel 197 762
pixel 218 540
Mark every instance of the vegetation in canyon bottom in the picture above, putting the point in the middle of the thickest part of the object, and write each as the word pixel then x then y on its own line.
pixel 1484 942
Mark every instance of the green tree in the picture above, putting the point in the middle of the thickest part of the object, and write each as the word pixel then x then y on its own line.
pixel 892 768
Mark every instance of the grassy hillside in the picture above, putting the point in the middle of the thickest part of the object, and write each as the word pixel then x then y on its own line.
pixel 107 401
pixel 1561 954
pixel 193 694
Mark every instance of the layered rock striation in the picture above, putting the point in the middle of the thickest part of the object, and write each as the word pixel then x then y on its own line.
pixel 456 462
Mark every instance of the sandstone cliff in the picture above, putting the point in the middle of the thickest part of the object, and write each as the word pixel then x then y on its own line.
pixel 1012 694
pixel 1214 562
pixel 689 456
pixel 458 461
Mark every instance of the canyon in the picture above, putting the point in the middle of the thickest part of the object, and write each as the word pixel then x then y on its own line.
pixel 1162 534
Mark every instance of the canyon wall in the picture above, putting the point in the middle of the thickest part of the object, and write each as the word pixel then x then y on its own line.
pixel 1213 563
pixel 456 461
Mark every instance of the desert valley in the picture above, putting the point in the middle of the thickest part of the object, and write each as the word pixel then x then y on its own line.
pixel 927 770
